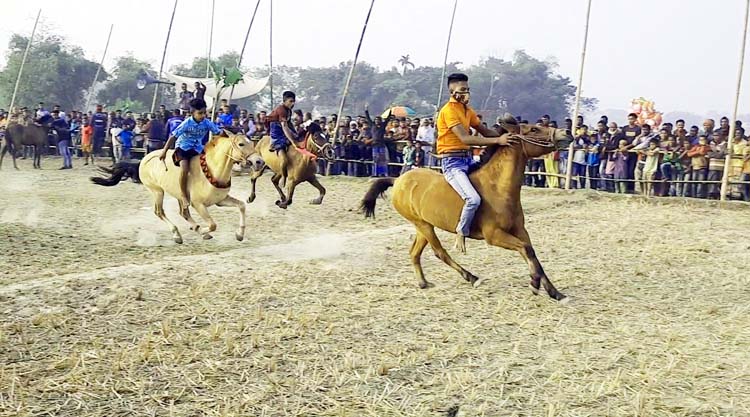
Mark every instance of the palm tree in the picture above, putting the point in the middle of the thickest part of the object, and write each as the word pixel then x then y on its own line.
pixel 404 62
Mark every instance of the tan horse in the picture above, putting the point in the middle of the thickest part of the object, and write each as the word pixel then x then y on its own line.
pixel 209 181
pixel 302 167
pixel 425 198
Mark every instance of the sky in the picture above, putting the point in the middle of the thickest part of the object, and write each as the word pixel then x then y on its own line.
pixel 682 54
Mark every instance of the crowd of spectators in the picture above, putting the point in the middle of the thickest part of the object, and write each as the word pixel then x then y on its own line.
pixel 671 160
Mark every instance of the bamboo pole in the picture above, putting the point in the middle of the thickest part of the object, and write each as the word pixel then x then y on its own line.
pixel 23 62
pixel 270 52
pixel 577 107
pixel 244 44
pixel 210 40
pixel 163 56
pixel 98 70
pixel 445 59
pixel 351 70
pixel 730 139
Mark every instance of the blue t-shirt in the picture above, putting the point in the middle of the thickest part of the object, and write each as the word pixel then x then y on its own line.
pixel 225 120
pixel 190 134
pixel 126 138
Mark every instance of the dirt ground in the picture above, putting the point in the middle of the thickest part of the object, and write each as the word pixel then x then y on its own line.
pixel 317 312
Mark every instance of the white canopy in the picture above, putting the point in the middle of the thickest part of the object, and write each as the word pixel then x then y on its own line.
pixel 245 88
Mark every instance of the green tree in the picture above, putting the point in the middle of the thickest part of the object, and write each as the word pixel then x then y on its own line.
pixel 524 86
pixel 197 68
pixel 121 89
pixel 55 72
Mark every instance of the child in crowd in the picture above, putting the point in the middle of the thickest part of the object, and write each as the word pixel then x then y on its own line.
pixel 620 171
pixel 699 165
pixel 87 141
pixel 683 189
pixel 651 166
pixel 408 154
pixel 667 167
pixel 419 155
pixel 125 138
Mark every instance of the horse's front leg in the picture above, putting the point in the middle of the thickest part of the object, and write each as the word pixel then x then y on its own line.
pixel 315 183
pixel 185 213
pixel 233 202
pixel 203 212
pixel 522 245
pixel 253 179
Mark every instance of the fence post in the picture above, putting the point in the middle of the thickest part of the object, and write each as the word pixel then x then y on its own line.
pixel 569 165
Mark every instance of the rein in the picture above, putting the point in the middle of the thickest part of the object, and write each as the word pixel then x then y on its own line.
pixel 324 150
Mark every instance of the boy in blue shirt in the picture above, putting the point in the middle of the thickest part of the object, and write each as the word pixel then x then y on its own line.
pixel 126 142
pixel 189 142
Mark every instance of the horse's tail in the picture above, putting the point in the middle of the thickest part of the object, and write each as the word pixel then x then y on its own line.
pixel 117 172
pixel 376 190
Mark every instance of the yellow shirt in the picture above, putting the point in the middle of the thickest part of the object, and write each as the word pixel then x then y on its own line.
pixel 450 116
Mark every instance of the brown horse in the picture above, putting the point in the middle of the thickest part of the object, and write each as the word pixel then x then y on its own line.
pixel 425 198
pixel 17 136
pixel 302 167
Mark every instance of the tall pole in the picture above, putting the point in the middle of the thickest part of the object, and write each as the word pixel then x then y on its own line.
pixel 98 70
pixel 210 40
pixel 445 59
pixel 351 70
pixel 577 108
pixel 23 62
pixel 163 56
pixel 270 49
pixel 244 44
pixel 730 139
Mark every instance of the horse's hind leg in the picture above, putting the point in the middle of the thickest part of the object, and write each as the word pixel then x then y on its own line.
pixel 417 247
pixel 315 183
pixel 158 196
pixel 428 231
pixel 522 244
pixel 185 213
pixel 203 212
pixel 275 180
pixel 231 201
pixel 289 194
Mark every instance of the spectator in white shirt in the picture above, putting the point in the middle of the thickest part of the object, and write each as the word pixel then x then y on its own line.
pixel 426 135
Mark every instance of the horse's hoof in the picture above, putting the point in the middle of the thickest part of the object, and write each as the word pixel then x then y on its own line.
pixel 178 240
pixel 316 202
pixel 425 285
pixel 281 204
pixel 251 199
pixel 207 237
pixel 478 282
pixel 563 299
pixel 240 237
pixel 534 290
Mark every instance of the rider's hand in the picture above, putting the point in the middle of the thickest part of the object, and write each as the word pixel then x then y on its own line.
pixel 367 106
pixel 163 155
pixel 505 139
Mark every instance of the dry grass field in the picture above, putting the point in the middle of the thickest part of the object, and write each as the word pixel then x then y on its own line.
pixel 317 312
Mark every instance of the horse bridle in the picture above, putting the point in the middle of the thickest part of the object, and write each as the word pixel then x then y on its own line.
pixel 548 144
pixel 320 148
pixel 235 147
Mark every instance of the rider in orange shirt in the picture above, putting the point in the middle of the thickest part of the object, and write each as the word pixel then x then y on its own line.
pixel 454 150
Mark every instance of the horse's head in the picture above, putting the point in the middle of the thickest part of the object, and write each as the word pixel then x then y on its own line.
pixel 317 144
pixel 238 148
pixel 536 141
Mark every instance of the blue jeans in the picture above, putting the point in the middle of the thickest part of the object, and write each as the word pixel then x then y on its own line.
pixel 380 161
pixel 63 148
pixel 456 171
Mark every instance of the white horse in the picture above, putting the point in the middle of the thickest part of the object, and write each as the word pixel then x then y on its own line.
pixel 209 180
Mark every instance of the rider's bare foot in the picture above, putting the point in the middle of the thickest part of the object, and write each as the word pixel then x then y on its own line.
pixel 460 243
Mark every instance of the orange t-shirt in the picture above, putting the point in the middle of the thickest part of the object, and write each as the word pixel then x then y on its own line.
pixel 86 134
pixel 451 115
